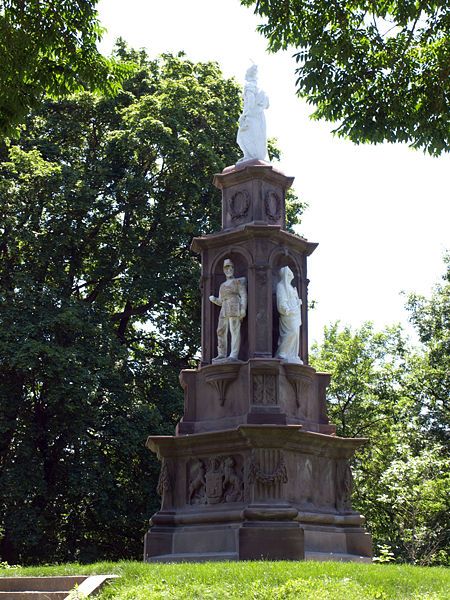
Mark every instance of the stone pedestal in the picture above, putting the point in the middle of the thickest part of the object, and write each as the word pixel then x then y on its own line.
pixel 255 469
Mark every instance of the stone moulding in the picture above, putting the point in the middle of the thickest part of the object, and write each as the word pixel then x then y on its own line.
pixel 204 515
pixel 247 171
pixel 244 437
pixel 248 231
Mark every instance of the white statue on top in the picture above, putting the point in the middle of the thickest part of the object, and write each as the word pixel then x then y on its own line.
pixel 251 136
pixel 289 309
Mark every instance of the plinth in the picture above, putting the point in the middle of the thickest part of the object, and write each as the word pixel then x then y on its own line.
pixel 254 469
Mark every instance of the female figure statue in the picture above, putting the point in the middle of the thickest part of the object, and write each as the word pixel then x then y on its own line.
pixel 289 309
pixel 251 136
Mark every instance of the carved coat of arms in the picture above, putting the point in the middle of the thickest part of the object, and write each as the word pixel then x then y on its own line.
pixel 214 486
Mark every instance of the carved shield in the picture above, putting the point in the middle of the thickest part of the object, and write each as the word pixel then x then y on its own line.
pixel 214 487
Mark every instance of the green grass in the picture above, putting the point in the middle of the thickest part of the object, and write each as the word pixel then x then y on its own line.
pixel 260 580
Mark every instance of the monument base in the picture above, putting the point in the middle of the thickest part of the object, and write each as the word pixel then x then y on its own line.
pixel 269 492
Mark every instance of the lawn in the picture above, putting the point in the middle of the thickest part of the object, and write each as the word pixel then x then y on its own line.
pixel 260 580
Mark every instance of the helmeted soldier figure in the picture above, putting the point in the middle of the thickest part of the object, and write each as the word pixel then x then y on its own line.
pixel 233 302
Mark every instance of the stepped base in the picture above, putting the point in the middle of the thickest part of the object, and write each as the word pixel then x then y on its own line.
pixel 262 540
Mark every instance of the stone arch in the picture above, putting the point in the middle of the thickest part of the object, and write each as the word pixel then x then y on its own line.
pixel 240 257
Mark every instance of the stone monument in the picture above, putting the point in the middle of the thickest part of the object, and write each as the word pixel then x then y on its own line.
pixel 255 469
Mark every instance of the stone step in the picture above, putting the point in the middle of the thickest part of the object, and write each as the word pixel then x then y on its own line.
pixel 36 584
pixel 34 595
pixel 50 588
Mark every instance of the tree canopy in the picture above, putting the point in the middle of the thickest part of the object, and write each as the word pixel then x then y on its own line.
pixel 381 70
pixel 396 395
pixel 99 302
pixel 48 48
pixel 431 318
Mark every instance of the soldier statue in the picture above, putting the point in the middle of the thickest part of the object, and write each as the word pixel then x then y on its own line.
pixel 233 302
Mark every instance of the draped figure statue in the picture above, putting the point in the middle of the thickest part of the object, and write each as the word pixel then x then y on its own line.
pixel 251 136
pixel 289 309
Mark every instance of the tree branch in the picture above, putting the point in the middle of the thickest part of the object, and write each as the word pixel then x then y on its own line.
pixel 130 312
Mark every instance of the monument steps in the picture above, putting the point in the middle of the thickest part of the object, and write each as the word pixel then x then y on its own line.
pixel 50 588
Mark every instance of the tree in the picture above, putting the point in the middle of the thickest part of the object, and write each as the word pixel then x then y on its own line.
pixel 401 474
pixel 48 48
pixel 431 384
pixel 413 490
pixel 99 301
pixel 378 69
pixel 367 373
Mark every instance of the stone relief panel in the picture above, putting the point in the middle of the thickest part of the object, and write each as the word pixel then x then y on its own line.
pixel 215 480
pixel 265 389
pixel 305 480
pixel 165 484
pixel 267 473
pixel 325 492
pixel 344 486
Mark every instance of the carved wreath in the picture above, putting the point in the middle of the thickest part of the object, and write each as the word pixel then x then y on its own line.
pixel 279 475
pixel 272 205
pixel 239 205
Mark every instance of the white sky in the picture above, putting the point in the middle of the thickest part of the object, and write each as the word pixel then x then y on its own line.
pixel 380 213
